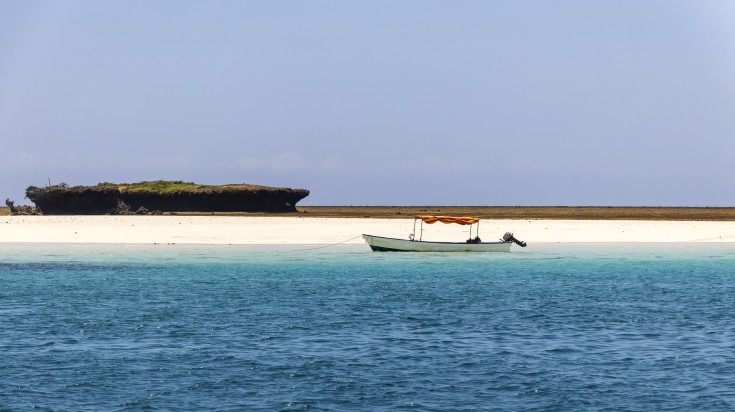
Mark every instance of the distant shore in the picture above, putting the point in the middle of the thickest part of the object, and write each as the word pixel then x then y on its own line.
pixel 526 212
pixel 722 214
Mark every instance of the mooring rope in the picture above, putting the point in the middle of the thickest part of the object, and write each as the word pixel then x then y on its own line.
pixel 711 238
pixel 326 246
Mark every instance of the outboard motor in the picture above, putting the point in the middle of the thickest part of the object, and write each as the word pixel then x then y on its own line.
pixel 508 237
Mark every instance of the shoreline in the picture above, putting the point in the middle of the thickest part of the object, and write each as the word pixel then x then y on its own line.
pixel 299 230
pixel 655 213
pixel 721 214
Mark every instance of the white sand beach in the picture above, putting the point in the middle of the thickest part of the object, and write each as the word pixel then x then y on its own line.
pixel 298 230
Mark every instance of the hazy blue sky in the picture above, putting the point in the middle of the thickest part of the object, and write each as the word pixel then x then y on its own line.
pixel 376 102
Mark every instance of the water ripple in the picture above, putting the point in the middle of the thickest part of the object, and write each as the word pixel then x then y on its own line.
pixel 232 329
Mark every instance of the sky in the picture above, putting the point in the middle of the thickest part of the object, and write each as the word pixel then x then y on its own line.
pixel 509 103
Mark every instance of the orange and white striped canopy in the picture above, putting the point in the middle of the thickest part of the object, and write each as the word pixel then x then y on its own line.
pixel 449 219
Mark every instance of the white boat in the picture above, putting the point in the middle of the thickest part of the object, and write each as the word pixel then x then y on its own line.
pixel 387 244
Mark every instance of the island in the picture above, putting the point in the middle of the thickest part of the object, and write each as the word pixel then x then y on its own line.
pixel 162 196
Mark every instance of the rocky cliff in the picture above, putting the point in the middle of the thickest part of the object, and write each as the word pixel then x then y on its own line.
pixel 108 198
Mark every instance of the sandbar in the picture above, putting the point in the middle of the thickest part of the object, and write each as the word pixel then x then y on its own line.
pixel 270 230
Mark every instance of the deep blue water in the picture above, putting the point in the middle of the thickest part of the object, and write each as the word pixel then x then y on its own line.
pixel 550 327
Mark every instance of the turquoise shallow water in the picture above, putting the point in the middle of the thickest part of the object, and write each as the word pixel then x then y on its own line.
pixel 551 327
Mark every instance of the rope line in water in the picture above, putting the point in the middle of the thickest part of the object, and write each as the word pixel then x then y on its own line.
pixel 330 245
pixel 712 238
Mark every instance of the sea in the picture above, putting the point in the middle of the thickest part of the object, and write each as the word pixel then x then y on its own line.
pixel 552 327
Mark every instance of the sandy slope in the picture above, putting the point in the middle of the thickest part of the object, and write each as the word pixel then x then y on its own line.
pixel 296 230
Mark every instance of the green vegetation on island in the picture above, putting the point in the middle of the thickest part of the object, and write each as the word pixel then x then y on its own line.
pixel 167 187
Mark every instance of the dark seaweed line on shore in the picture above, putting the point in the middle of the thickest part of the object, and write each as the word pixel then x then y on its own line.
pixel 496 212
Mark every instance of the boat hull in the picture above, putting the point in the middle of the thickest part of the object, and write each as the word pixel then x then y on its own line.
pixel 387 244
